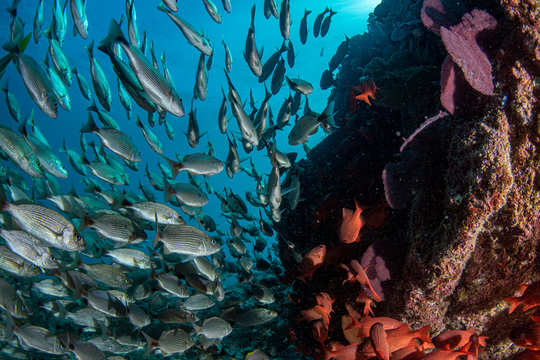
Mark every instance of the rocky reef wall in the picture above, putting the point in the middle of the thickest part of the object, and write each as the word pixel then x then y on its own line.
pixel 464 231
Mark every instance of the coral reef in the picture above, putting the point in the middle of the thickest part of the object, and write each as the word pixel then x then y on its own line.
pixel 468 233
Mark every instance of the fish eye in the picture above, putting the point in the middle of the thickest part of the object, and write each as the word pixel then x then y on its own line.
pixel 38 164
pixel 51 258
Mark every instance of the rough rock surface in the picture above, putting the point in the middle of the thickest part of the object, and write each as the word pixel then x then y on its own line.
pixel 471 234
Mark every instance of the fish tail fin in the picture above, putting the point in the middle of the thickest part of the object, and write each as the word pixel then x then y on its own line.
pixel 307 12
pixel 93 106
pixel 252 25
pixel 115 34
pixel 151 343
pixel 354 324
pixel 169 190
pixel 162 7
pixel 423 333
pixel 176 167
pixel 283 47
pixel 138 122
pixel 85 223
pixel 513 302
pixel 90 125
pixel 523 287
pixel 90 49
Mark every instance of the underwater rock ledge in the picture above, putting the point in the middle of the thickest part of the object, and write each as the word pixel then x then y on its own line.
pixel 470 235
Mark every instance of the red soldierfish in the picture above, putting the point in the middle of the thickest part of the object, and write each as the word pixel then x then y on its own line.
pixel 311 261
pixel 530 297
pixel 351 225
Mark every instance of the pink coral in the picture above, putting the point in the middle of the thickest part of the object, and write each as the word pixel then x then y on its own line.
pixel 462 45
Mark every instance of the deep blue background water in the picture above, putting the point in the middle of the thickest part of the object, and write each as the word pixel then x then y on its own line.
pixel 181 59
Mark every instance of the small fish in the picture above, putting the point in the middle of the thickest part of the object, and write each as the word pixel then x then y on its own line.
pixel 193 134
pixel 212 10
pixel 337 58
pixel 38 21
pixel 175 341
pixel 155 86
pixel 351 224
pixel 226 5
pixel 133 30
pixel 40 339
pixel 530 297
pixel 255 317
pixel 186 240
pixel 130 257
pixel 198 302
pixel 151 138
pixel 285 19
pixel 318 21
pixel 303 27
pixel 59 89
pixel 35 80
pixel 270 8
pixel 290 54
pixel 83 85
pixel 148 210
pixel 114 140
pixel 326 23
pixel 78 13
pixel 299 85
pixel 99 79
pixel 278 76
pixel 379 342
pixel 45 224
pixel 12 103
pixel 232 163
pixel 222 115
pixel 193 36
pixel 125 100
pixel 114 227
pixel 327 79
pixel 196 164
pixel 251 53
pixel 270 64
pixel 261 116
pixel 360 276
pixel 274 184
pixel 186 194
pixel 20 152
pixel 29 248
pixel 214 328
pixel 171 4
pixel 11 302
pixel 201 80
pixel 311 261
pixel 228 57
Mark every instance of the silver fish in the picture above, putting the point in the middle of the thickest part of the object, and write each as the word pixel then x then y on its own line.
pixel 38 21
pixel 115 227
pixel 45 224
pixel 222 115
pixel 285 19
pixel 303 27
pixel 11 302
pixel 99 79
pixel 193 36
pixel 212 10
pixel 277 77
pixel 28 247
pixel 186 194
pixel 156 87
pixel 198 302
pixel 130 257
pixel 12 103
pixel 40 339
pixel 20 152
pixel 228 57
pixel 186 240
pixel 201 80
pixel 251 53
pixel 175 341
pixel 151 138
pixel 255 317
pixel 78 13
pixel 83 85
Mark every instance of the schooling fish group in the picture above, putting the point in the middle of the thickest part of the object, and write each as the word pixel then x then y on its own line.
pixel 80 277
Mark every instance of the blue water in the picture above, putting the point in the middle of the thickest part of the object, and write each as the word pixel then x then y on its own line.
pixel 182 58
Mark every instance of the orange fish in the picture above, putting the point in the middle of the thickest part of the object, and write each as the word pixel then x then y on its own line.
pixel 453 338
pixel 446 354
pixel 409 353
pixel 324 300
pixel 368 303
pixel 365 89
pixel 362 277
pixel 529 338
pixel 320 331
pixel 311 261
pixel 379 341
pixel 367 322
pixel 401 338
pixel 349 352
pixel 315 313
pixel 476 342
pixel 351 224
pixel 530 297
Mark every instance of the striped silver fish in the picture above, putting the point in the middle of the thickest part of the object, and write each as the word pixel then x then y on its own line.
pixel 106 274
pixel 40 339
pixel 193 36
pixel 13 263
pixel 186 194
pixel 115 227
pixel 172 284
pixel 174 341
pixel 11 302
pixel 20 152
pixel 156 87
pixel 45 224
pixel 186 240
pixel 114 140
pixel 99 79
pixel 147 210
pixel 130 257
pixel 214 328
pixel 198 302
pixel 29 247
